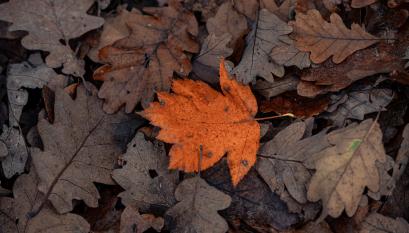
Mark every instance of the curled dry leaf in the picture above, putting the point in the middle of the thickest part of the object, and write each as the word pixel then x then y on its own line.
pixel 14 151
pixel 346 168
pixel 357 103
pixel 32 74
pixel 330 77
pixel 196 115
pixel 377 223
pixel 51 24
pixel 15 212
pixel 131 220
pixel 313 34
pixel 142 189
pixel 268 89
pixel 299 106
pixel 268 31
pixel 144 62
pixel 197 208
pixel 80 147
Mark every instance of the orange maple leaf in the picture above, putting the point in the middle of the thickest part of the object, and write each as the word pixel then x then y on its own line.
pixel 196 115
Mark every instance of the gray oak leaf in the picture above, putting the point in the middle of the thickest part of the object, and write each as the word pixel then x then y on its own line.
pixel 51 24
pixel 377 223
pixel 14 151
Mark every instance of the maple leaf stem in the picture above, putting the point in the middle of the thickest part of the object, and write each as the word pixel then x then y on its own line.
pixel 274 117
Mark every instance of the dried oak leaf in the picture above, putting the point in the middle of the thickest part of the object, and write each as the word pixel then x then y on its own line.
pixel 144 62
pixel 402 158
pixel 377 223
pixel 347 167
pixel 51 24
pixel 286 153
pixel 213 49
pixel 131 220
pixel 287 54
pixel 196 115
pixel 268 31
pixel 330 77
pixel 14 212
pixel 301 107
pixel 312 227
pixel 313 34
pixel 357 103
pixel 31 74
pixel 197 208
pixel 141 160
pixel 227 20
pixel 81 147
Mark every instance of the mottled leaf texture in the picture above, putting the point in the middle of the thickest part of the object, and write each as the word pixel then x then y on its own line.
pixel 32 74
pixel 51 24
pixel 268 89
pixel 197 208
pixel 267 32
pixel 14 212
pixel 81 147
pixel 141 189
pixel 287 54
pixel 16 154
pixel 346 168
pixel 131 220
pixel 284 167
pixel 357 103
pixel 144 62
pixel 196 116
pixel 377 223
pixel 313 34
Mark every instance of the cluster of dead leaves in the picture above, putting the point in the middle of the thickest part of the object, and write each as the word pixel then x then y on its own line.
pixel 204 73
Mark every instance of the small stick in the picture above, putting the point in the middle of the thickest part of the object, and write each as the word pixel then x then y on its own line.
pixel 274 117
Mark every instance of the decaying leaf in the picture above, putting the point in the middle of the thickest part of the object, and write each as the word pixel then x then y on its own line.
pixel 197 116
pixel 114 28
pixel 330 77
pixel 406 57
pixel 377 223
pixel 286 152
pixel 16 153
pixel 145 176
pixel 197 208
pixel 31 74
pixel 313 34
pixel 15 212
pixel 311 227
pixel 213 49
pixel 51 24
pixel 208 8
pixel 267 32
pixel 133 222
pixel 299 106
pixel 268 89
pixel 144 62
pixel 357 103
pixel 227 20
pixel 80 148
pixel 346 168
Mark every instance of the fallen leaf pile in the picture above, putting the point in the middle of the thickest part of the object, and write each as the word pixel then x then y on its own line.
pixel 204 116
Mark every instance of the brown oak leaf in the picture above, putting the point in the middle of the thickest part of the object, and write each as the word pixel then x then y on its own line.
pixel 377 223
pixel 144 62
pixel 80 147
pixel 313 34
pixel 131 220
pixel 51 24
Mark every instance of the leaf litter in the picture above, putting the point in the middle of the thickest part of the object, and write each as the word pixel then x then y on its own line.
pixel 287 90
